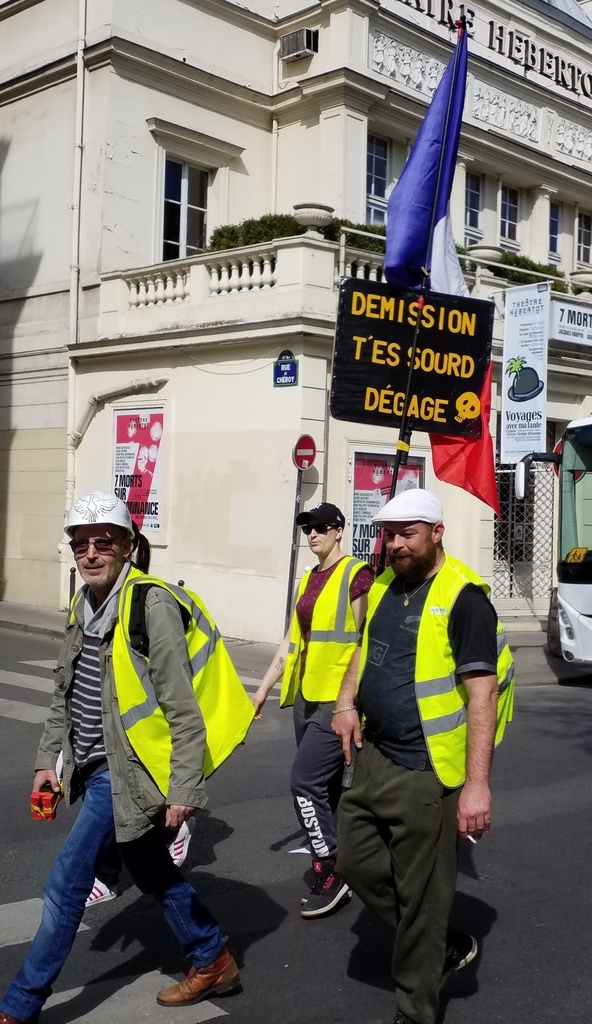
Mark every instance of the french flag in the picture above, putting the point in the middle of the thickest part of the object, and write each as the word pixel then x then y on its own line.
pixel 421 254
pixel 418 228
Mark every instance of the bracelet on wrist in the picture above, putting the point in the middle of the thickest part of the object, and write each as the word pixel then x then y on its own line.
pixel 350 707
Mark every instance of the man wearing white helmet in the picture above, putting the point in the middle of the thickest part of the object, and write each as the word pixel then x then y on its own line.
pixel 432 682
pixel 124 712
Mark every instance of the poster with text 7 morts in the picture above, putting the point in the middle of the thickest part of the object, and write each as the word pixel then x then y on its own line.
pixel 137 465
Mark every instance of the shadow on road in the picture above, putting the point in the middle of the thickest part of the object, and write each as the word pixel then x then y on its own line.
pixel 141 923
pixel 244 911
pixel 370 959
pixel 535 666
pixel 477 918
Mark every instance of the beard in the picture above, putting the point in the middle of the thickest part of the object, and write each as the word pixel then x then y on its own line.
pixel 413 567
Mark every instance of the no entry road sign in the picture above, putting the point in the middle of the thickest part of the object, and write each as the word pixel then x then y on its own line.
pixel 304 452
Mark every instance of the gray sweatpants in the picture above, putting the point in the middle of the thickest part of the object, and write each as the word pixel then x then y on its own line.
pixel 316 775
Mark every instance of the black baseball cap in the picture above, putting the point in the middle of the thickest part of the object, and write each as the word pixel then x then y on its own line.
pixel 325 512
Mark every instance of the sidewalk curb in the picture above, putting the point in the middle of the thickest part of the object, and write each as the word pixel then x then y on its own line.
pixel 26 627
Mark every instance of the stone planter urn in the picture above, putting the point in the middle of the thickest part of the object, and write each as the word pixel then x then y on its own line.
pixel 493 253
pixel 582 279
pixel 313 216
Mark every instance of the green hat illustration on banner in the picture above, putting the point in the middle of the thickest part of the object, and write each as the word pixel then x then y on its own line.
pixel 526 383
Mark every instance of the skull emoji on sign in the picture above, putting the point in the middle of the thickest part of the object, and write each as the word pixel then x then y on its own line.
pixel 468 407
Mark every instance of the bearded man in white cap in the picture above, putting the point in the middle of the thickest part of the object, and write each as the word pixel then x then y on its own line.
pixel 432 683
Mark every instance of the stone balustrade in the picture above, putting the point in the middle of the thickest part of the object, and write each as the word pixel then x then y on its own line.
pixel 159 285
pixel 276 280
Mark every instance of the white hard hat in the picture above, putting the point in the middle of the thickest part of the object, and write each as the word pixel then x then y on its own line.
pixel 99 507
pixel 411 506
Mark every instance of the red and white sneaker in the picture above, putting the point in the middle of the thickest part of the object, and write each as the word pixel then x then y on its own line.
pixel 179 847
pixel 100 893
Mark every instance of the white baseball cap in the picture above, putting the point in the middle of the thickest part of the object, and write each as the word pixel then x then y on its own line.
pixel 412 506
pixel 99 507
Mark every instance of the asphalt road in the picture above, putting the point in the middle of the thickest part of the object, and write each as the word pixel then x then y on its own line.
pixel 523 891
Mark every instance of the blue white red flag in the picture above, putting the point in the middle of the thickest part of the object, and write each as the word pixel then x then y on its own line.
pixel 418 228
pixel 419 235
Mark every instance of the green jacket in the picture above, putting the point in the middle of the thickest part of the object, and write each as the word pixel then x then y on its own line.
pixel 137 801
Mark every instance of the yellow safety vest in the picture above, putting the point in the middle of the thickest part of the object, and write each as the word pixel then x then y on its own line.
pixel 333 639
pixel 441 696
pixel 223 701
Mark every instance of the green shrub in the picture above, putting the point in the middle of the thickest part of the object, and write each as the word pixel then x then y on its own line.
pixel 357 241
pixel 257 230
pixel 512 259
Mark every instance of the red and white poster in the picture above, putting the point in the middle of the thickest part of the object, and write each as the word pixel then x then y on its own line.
pixel 373 475
pixel 136 465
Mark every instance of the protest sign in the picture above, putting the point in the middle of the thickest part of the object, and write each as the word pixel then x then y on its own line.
pixel 373 343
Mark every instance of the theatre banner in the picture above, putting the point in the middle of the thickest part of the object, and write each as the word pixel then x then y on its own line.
pixel 373 475
pixel 524 383
pixel 137 465
pixel 373 344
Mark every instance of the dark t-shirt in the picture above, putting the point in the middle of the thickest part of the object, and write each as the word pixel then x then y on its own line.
pixel 387 690
pixel 318 578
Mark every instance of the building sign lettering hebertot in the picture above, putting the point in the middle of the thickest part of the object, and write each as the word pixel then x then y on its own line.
pixel 519 47
pixel 373 348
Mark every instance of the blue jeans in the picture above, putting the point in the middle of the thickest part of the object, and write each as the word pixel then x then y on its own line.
pixel 70 881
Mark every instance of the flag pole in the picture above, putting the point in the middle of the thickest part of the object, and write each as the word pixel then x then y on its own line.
pixel 404 440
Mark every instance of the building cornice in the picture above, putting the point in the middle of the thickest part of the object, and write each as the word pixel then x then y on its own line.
pixel 12 7
pixel 239 15
pixel 548 11
pixel 168 74
pixel 321 12
pixel 341 86
pixel 54 73
pixel 205 336
pixel 145 65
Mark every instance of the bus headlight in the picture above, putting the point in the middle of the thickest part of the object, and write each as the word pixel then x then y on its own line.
pixel 569 633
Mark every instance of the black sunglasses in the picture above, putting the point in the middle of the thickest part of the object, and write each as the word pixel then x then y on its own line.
pixel 318 528
pixel 102 546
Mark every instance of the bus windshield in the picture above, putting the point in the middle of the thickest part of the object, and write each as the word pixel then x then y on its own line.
pixel 576 495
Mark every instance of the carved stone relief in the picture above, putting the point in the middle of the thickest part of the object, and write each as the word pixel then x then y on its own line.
pixel 405 65
pixel 503 111
pixel 573 140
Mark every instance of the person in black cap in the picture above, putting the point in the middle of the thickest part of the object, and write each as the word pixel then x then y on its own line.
pixel 312 660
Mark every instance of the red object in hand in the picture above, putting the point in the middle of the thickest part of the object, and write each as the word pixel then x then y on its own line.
pixel 44 802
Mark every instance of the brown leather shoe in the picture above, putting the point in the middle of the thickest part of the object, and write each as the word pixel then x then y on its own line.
pixel 5 1018
pixel 219 978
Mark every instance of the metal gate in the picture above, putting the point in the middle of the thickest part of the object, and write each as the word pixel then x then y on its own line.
pixel 523 537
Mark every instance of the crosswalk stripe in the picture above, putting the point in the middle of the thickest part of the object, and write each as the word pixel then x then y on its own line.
pixel 27 682
pixel 20 921
pixel 40 664
pixel 23 712
pixel 98 1003
pixel 251 685
pixel 34 713
pixel 134 1001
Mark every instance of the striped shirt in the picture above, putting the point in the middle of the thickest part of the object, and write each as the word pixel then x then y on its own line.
pixel 87 721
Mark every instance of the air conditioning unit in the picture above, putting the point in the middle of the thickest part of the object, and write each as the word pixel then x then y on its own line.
pixel 297 45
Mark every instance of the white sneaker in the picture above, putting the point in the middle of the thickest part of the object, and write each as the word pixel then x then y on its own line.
pixel 100 893
pixel 179 847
